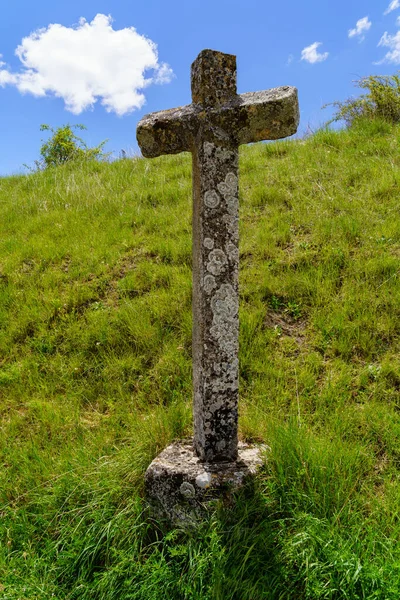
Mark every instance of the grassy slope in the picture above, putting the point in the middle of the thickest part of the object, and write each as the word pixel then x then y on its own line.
pixel 95 376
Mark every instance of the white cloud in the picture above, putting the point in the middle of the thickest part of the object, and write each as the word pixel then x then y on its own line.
pixel 87 63
pixel 392 42
pixel 5 76
pixel 362 26
pixel 310 53
pixel 392 6
pixel 290 60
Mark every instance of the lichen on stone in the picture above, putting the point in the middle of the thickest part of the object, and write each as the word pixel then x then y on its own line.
pixel 209 284
pixel 224 306
pixel 224 154
pixel 203 480
pixel 229 190
pixel 232 251
pixel 216 261
pixel 229 186
pixel 187 490
pixel 232 226
pixel 208 148
pixel 211 199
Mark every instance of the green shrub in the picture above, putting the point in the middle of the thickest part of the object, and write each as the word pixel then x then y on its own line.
pixel 64 146
pixel 382 101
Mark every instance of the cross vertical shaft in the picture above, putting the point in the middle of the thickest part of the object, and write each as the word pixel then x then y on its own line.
pixel 215 266
pixel 215 301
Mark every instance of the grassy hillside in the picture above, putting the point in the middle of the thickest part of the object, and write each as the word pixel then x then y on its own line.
pixel 95 376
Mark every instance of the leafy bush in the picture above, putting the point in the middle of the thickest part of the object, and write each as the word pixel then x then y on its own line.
pixel 382 101
pixel 64 146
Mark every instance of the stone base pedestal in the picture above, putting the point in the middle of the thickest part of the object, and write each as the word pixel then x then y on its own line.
pixel 179 486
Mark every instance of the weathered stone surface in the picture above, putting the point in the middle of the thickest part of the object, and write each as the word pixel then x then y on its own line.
pixel 167 131
pixel 213 78
pixel 212 128
pixel 179 485
pixel 215 300
pixel 236 119
pixel 269 115
pixel 247 118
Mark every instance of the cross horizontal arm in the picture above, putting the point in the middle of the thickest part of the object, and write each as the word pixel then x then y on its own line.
pixel 166 131
pixel 252 117
pixel 269 115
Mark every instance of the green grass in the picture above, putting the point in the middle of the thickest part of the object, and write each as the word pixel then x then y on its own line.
pixel 95 376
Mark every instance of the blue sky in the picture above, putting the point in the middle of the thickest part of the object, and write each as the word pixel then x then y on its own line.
pixel 68 62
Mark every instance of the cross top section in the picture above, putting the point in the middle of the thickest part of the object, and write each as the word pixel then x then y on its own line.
pixel 218 112
pixel 213 78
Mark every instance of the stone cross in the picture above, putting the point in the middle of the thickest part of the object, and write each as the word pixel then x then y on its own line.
pixel 212 128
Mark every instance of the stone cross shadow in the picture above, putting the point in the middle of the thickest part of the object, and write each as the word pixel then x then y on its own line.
pixel 212 128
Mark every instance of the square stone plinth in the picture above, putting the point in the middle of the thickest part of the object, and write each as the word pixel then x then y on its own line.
pixel 179 485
